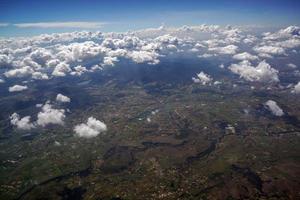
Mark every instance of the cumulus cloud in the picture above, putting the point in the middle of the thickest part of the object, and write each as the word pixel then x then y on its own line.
pixel 20 72
pixel 245 56
pixel 49 115
pixel 79 70
pixel 39 76
pixel 5 60
pixel 83 25
pixel 273 50
pixel 263 72
pixel 291 65
pixel 62 98
pixel 230 49
pixel 296 89
pixel 144 56
pixel 202 78
pixel 21 123
pixel 17 88
pixel 61 69
pixel 92 128
pixel 286 33
pixel 274 108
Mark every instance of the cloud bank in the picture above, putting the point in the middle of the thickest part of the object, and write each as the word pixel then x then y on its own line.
pixel 83 25
pixel 50 56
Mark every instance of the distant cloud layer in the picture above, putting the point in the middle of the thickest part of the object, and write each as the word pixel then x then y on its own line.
pixel 246 53
pixel 241 54
pixel 87 25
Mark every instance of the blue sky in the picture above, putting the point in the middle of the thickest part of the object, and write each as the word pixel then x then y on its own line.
pixel 24 17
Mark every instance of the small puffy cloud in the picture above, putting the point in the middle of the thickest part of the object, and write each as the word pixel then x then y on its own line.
pixel 20 72
pixel 61 69
pixel 109 61
pixel 21 123
pixel 40 56
pixel 39 76
pixel 202 78
pixel 274 108
pixel 49 115
pixel 245 56
pixel 62 98
pixel 17 88
pixel 273 50
pixel 291 65
pixel 296 89
pixel 263 72
pixel 2 81
pixel 5 60
pixel 52 63
pixel 144 57
pixel 92 128
pixel 79 70
pixel 230 49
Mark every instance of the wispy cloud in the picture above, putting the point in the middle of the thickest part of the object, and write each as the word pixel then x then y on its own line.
pixel 4 24
pixel 87 25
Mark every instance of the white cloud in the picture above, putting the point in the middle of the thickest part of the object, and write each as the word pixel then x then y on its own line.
pixel 144 57
pixel 17 88
pixel 83 25
pixel 49 115
pixel 39 76
pixel 245 56
pixel 296 89
pixel 273 50
pixel 274 108
pixel 61 69
pixel 202 78
pixel 109 61
pixel 62 98
pixel 263 72
pixel 92 128
pixel 5 60
pixel 283 33
pixel 230 49
pixel 79 70
pixel 291 65
pixel 20 72
pixel 21 123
